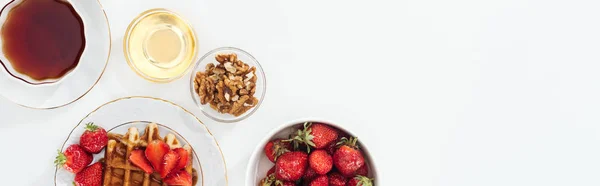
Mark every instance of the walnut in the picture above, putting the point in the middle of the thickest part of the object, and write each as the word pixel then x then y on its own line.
pixel 228 86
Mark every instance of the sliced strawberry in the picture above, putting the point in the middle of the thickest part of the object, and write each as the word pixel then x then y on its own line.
pixel 138 159
pixel 183 158
pixel 181 178
pixel 171 160
pixel 155 151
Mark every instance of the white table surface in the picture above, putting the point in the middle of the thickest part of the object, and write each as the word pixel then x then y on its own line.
pixel 462 93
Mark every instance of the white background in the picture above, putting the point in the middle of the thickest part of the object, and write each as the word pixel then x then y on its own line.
pixel 453 93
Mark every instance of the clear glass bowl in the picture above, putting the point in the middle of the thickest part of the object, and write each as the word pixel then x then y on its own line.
pixel 242 55
pixel 137 52
pixel 75 84
pixel 118 115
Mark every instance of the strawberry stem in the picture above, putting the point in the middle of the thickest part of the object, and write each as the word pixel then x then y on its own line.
pixel 348 142
pixel 61 159
pixel 364 181
pixel 91 127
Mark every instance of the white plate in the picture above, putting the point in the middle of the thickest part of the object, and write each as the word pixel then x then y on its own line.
pixel 76 83
pixel 118 115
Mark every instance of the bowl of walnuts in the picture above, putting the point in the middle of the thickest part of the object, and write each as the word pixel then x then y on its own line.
pixel 228 84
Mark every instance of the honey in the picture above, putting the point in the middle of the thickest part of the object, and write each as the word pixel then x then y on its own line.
pixel 159 45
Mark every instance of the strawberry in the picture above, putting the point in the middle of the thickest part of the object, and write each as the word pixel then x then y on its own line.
pixel 94 139
pixel 337 179
pixel 276 148
pixel 331 148
pixel 360 181
pixel 348 159
pixel 316 135
pixel 269 180
pixel 271 171
pixel 180 177
pixel 320 161
pixel 290 166
pixel 322 180
pixel 363 171
pixel 284 183
pixel 183 158
pixel 155 151
pixel 171 160
pixel 310 174
pixel 74 159
pixel 90 176
pixel 138 159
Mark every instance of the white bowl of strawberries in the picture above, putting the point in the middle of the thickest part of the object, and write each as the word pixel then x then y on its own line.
pixel 311 153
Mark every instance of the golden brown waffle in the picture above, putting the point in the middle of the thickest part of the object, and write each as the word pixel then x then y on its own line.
pixel 120 172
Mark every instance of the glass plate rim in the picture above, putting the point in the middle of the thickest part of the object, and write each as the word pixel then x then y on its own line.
pixel 156 99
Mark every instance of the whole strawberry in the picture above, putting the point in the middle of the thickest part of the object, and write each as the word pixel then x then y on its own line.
pixel 316 135
pixel 360 181
pixel 337 179
pixel 94 139
pixel 276 148
pixel 320 161
pixel 363 171
pixel 284 183
pixel 271 181
pixel 271 171
pixel 309 174
pixel 90 176
pixel 321 180
pixel 290 166
pixel 74 159
pixel 348 159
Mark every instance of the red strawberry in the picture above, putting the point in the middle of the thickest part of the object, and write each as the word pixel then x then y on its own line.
pixel 285 183
pixel 290 166
pixel 348 159
pixel 360 181
pixel 74 159
pixel 322 180
pixel 271 171
pixel 331 148
pixel 276 148
pixel 90 176
pixel 310 174
pixel 180 177
pixel 320 161
pixel 155 151
pixel 171 160
pixel 363 171
pixel 138 159
pixel 268 180
pixel 337 179
pixel 94 139
pixel 183 158
pixel 316 135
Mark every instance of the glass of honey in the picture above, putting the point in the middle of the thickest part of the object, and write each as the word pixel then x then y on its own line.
pixel 159 45
pixel 47 57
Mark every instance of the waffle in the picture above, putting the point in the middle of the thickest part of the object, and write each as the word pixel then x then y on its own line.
pixel 119 171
